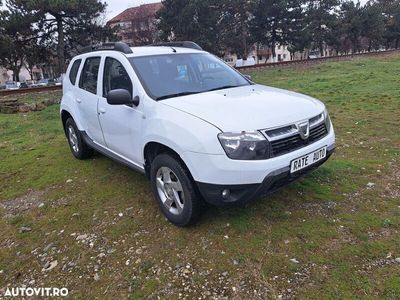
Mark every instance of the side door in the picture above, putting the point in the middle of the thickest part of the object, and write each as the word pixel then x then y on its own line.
pixel 121 124
pixel 87 98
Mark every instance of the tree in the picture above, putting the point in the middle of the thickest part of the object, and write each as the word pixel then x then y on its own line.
pixel 373 24
pixel 35 55
pixel 195 20
pixel 15 37
pixel 280 22
pixel 236 17
pixel 391 11
pixel 351 17
pixel 321 16
pixel 61 20
pixel 299 40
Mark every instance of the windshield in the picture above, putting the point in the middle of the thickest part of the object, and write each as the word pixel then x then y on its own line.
pixel 173 75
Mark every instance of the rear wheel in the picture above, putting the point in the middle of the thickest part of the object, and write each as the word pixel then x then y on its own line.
pixel 174 190
pixel 78 146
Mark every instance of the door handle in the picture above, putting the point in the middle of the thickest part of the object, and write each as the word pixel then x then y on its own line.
pixel 102 110
pixel 78 100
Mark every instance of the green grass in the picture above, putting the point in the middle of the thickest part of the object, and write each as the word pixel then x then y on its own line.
pixel 31 98
pixel 339 230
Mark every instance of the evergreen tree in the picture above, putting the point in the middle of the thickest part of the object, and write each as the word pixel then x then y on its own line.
pixel 373 26
pixel 193 20
pixel 351 16
pixel 320 17
pixel 16 36
pixel 391 10
pixel 279 22
pixel 60 21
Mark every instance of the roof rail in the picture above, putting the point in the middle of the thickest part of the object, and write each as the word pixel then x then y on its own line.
pixel 184 44
pixel 118 46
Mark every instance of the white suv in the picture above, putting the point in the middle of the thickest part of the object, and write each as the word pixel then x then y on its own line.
pixel 197 128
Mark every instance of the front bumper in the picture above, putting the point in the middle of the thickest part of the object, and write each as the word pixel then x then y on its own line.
pixel 244 193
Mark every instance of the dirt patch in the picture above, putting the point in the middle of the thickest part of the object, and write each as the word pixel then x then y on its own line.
pixel 11 106
pixel 24 203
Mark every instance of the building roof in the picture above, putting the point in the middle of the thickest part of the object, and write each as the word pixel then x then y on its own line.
pixel 140 12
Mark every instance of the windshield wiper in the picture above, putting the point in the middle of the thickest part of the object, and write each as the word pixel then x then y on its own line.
pixel 176 95
pixel 223 87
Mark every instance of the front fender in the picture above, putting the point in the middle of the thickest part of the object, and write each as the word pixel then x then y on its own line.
pixel 180 131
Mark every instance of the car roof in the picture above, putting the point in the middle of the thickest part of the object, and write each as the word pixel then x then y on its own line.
pixel 159 50
pixel 144 51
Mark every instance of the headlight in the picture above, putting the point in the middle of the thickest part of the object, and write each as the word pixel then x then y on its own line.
pixel 245 145
pixel 327 120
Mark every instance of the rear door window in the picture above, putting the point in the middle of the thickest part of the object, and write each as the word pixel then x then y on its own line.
pixel 89 75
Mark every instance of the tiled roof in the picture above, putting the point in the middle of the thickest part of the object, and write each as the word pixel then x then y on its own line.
pixel 140 12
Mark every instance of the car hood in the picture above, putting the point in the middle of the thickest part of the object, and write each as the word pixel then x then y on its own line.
pixel 249 108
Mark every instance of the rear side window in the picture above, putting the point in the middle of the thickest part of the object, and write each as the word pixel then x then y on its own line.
pixel 90 72
pixel 115 77
pixel 74 71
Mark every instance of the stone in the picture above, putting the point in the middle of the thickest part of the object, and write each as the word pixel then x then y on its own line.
pixel 81 237
pixel 295 261
pixel 47 248
pixel 24 229
pixel 50 266
pixel 24 108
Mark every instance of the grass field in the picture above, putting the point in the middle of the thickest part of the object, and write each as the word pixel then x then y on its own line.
pixel 332 235
pixel 30 98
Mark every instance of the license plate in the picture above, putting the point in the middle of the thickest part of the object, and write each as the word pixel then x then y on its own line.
pixel 307 160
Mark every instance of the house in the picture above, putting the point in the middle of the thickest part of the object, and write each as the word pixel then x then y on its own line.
pixel 262 55
pixel 137 25
pixel 24 75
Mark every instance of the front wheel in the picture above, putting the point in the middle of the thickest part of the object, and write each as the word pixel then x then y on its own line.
pixel 175 191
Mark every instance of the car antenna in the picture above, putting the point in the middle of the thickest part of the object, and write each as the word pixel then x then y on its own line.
pixel 173 49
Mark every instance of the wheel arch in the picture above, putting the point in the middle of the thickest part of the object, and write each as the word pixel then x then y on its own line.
pixel 153 148
pixel 65 115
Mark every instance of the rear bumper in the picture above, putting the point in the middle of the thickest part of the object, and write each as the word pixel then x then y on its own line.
pixel 244 193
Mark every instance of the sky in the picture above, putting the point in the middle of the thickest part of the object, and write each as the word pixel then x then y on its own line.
pixel 117 6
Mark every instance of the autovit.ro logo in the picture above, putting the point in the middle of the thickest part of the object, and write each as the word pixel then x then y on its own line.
pixel 35 292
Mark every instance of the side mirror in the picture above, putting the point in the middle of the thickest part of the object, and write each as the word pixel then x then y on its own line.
pixel 248 77
pixel 122 97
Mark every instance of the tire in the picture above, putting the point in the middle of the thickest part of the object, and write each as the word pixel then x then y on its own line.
pixel 179 201
pixel 76 143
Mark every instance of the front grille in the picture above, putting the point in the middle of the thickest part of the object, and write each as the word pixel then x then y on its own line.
pixel 294 142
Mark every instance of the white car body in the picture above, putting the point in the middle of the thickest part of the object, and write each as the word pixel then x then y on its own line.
pixel 190 125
